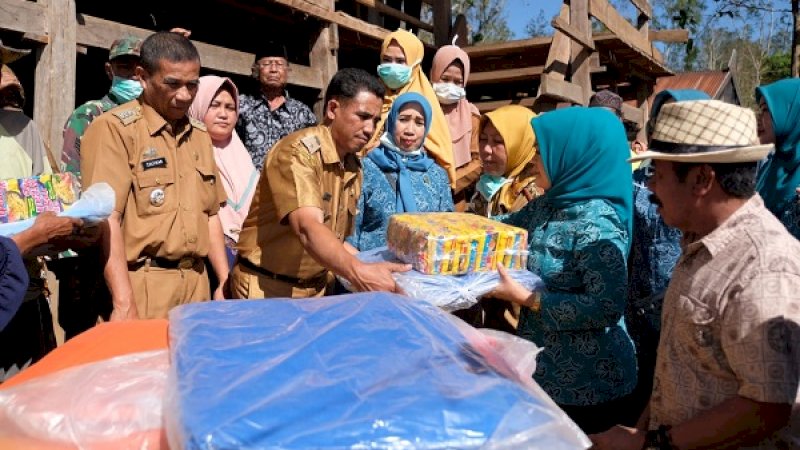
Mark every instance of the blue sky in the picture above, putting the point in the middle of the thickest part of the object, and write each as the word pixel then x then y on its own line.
pixel 520 12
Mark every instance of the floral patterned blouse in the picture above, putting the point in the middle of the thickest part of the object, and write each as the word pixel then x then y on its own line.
pixel 655 250
pixel 580 252
pixel 377 201
pixel 791 217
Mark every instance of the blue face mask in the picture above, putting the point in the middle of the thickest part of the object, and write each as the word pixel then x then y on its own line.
pixel 488 185
pixel 394 75
pixel 125 89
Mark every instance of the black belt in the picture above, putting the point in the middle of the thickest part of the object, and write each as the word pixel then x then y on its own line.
pixel 187 262
pixel 300 282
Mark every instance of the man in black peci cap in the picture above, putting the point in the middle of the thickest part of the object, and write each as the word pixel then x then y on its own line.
pixel 270 114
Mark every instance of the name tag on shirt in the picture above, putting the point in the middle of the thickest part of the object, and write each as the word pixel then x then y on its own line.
pixel 154 163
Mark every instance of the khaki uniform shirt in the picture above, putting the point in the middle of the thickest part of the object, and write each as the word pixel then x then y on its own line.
pixel 731 323
pixel 302 169
pixel 165 180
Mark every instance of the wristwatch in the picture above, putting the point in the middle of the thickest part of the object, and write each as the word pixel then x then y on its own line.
pixel 658 439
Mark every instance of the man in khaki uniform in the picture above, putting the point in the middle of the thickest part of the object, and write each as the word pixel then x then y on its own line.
pixel 161 166
pixel 293 238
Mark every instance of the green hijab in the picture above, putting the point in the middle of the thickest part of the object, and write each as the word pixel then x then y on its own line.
pixel 585 153
pixel 780 176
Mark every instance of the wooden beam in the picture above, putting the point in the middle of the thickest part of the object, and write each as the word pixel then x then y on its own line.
pixel 632 114
pixel 605 38
pixel 40 38
pixel 96 32
pixel 644 7
pixel 54 77
pixel 460 31
pixel 389 11
pixel 558 56
pixel 323 58
pixel 484 107
pixel 563 90
pixel 579 21
pixel 505 75
pixel 603 11
pixel 23 16
pixel 337 17
pixel 442 18
pixel 561 25
pixel 503 48
pixel 678 35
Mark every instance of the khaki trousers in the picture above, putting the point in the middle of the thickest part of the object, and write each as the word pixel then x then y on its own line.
pixel 249 284
pixel 157 290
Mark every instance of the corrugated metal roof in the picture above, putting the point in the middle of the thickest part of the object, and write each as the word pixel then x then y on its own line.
pixel 710 82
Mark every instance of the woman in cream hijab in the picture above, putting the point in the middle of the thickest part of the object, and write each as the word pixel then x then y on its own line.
pixel 506 150
pixel 217 105
pixel 449 74
pixel 401 56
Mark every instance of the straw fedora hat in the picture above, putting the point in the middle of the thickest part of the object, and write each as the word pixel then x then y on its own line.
pixel 705 131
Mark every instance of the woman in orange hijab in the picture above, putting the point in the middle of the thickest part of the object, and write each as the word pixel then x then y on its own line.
pixel 507 148
pixel 401 56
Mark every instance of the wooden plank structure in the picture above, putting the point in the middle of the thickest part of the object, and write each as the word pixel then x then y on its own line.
pixel 71 39
pixel 569 66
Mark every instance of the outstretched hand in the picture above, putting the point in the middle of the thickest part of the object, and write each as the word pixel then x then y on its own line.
pixel 509 289
pixel 377 276
pixel 47 226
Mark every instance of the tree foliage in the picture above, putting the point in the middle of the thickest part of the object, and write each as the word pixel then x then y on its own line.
pixel 486 19
pixel 753 37
pixel 538 26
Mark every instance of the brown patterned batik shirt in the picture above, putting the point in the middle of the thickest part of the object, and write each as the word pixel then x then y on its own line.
pixel 731 322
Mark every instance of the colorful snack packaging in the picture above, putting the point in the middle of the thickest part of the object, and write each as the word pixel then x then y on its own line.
pixel 455 243
pixel 24 198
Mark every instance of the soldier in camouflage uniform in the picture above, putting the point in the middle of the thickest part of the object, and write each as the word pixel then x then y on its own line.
pixel 83 294
pixel 123 56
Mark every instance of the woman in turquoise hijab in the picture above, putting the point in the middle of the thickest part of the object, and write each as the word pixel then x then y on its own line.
pixel 779 176
pixel 399 176
pixel 579 236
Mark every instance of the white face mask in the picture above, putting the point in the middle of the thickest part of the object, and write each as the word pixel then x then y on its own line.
pixel 448 93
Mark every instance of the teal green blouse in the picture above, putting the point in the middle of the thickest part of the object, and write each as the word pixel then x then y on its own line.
pixel 580 252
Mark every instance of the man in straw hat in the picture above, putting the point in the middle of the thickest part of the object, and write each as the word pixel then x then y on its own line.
pixel 728 360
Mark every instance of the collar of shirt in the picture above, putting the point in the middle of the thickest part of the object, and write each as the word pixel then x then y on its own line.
pixel 351 162
pixel 265 100
pixel 155 122
pixel 328 149
pixel 727 232
pixel 112 98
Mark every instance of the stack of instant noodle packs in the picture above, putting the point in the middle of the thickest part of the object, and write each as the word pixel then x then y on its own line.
pixel 456 243
pixel 24 198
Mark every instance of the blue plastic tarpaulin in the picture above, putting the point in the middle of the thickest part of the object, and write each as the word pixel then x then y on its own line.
pixel 360 371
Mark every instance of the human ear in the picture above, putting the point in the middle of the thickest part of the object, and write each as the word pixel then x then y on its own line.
pixel 703 179
pixel 332 108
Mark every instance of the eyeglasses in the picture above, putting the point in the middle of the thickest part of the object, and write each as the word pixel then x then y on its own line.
pixel 278 64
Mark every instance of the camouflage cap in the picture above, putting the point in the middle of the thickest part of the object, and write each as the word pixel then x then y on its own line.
pixel 127 46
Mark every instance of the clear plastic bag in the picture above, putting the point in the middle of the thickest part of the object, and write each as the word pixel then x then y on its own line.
pixel 111 404
pixel 361 371
pixel 95 204
pixel 449 292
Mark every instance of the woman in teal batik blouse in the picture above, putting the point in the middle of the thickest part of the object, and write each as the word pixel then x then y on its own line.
pixel 399 176
pixel 579 237
pixel 779 176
